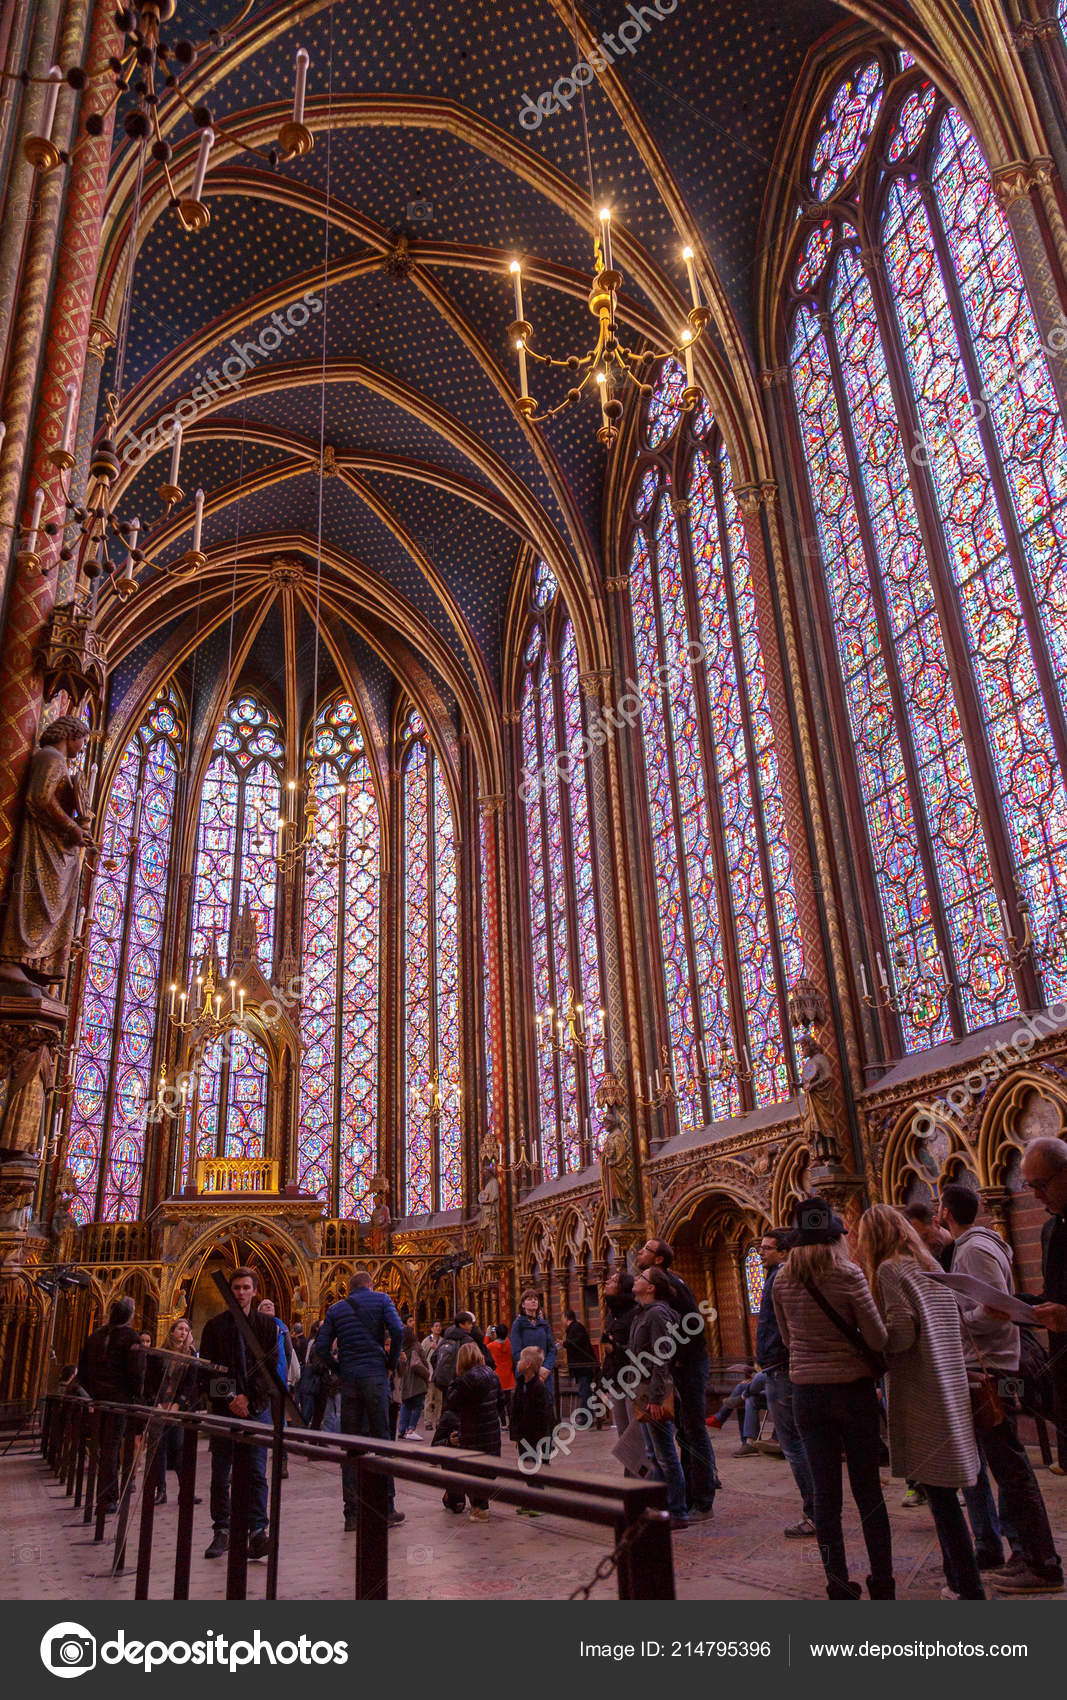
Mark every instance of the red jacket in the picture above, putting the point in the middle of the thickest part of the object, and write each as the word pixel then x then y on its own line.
pixel 501 1352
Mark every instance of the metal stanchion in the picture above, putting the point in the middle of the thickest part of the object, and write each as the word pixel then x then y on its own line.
pixel 372 1533
pixel 240 1510
pixel 183 1551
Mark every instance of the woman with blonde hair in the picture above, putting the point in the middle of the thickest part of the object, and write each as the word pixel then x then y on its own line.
pixel 931 1431
pixel 832 1329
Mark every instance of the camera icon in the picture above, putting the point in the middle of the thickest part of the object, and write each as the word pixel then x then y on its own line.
pixel 813 1216
pixel 222 1387
pixel 420 1555
pixel 25 1554
pixel 420 212
pixel 1011 1386
pixel 68 1649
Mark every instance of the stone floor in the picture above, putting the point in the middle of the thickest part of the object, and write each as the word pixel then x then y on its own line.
pixel 47 1553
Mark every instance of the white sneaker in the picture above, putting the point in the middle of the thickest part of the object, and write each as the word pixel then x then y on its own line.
pixel 413 1434
pixel 948 1594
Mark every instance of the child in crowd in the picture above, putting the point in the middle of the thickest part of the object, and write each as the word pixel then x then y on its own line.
pixel 474 1397
pixel 532 1415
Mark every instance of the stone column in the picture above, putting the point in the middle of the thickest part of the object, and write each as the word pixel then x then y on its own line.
pixel 1026 191
pixel 66 279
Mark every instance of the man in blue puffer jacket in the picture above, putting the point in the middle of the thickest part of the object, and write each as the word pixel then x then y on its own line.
pixel 532 1329
pixel 361 1325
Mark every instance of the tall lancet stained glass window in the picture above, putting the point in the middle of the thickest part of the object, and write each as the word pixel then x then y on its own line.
pixel 561 886
pixel 337 1136
pixel 937 464
pixel 728 925
pixel 432 1054
pixel 237 835
pixel 123 966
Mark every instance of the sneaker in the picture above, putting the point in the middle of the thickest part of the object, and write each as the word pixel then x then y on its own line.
pixel 913 1499
pixel 1015 1565
pixel 948 1594
pixel 797 1531
pixel 679 1522
pixel 395 1518
pixel 259 1545
pixel 527 1511
pixel 1027 1581
pixel 749 1450
pixel 476 1515
pixel 351 1523
pixel 713 1422
pixel 700 1513
pixel 220 1546
pixel 1057 1470
pixel 413 1434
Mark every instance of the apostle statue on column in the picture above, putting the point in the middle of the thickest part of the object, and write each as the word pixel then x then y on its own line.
pixel 43 901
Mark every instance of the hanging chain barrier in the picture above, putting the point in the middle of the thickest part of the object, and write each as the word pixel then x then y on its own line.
pixel 610 1560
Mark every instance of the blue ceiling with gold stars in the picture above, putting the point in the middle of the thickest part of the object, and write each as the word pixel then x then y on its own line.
pixel 407 381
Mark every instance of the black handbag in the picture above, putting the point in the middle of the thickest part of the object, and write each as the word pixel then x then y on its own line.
pixel 873 1359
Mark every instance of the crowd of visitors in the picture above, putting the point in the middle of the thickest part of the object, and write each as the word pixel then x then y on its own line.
pixel 859 1343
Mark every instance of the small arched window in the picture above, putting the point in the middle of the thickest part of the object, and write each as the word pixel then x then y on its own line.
pixel 237 835
pixel 755 1276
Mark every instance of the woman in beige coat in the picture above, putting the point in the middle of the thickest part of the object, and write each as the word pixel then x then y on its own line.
pixel 931 1431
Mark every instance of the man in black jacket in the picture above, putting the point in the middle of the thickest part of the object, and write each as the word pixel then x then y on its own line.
pixel 1044 1168
pixel 112 1366
pixel 689 1368
pixel 581 1358
pixel 243 1391
pixel 773 1359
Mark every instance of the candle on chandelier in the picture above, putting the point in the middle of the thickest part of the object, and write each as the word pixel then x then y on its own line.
pixel 90 783
pixel 233 993
pixel 748 1059
pixel 181 999
pixel 198 521
pixel 137 805
pixel 605 237
pixel 1004 917
pixel 35 521
pixel 600 1018
pixel 516 278
pixel 207 142
pixel 173 996
pixel 175 454
pixel 602 382
pixel 944 970
pixel 218 1005
pixel 687 354
pixel 540 1028
pixel 51 100
pixel 863 981
pixel 68 418
pixel 687 256
pixel 520 349
pixel 302 63
pixel 131 542
pixel 240 1003
pixel 3 433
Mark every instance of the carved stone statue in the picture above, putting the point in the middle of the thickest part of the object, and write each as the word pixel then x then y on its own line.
pixel 489 1209
pixel 820 1106
pixel 381 1219
pixel 43 903
pixel 608 1097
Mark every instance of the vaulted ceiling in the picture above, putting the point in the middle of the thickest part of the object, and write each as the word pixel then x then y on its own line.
pixel 435 491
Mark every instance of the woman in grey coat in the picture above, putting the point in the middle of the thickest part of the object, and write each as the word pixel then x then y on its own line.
pixel 931 1431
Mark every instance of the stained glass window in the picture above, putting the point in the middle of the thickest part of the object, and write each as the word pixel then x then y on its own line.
pixel 489 990
pixel 728 923
pixel 562 892
pixel 337 1140
pixel 237 837
pixel 123 964
pixel 754 1279
pixel 938 473
pixel 433 1092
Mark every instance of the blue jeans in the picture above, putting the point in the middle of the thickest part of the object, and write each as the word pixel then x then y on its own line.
pixel 779 1392
pixel 1028 1528
pixel 954 1538
pixel 221 1469
pixel 988 1522
pixel 583 1380
pixel 746 1393
pixel 364 1410
pixel 659 1444
pixel 691 1407
pixel 410 1412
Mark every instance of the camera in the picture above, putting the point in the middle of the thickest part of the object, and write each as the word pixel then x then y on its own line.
pixel 1010 1386
pixel 222 1387
pixel 420 212
pixel 68 1649
pixel 813 1216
